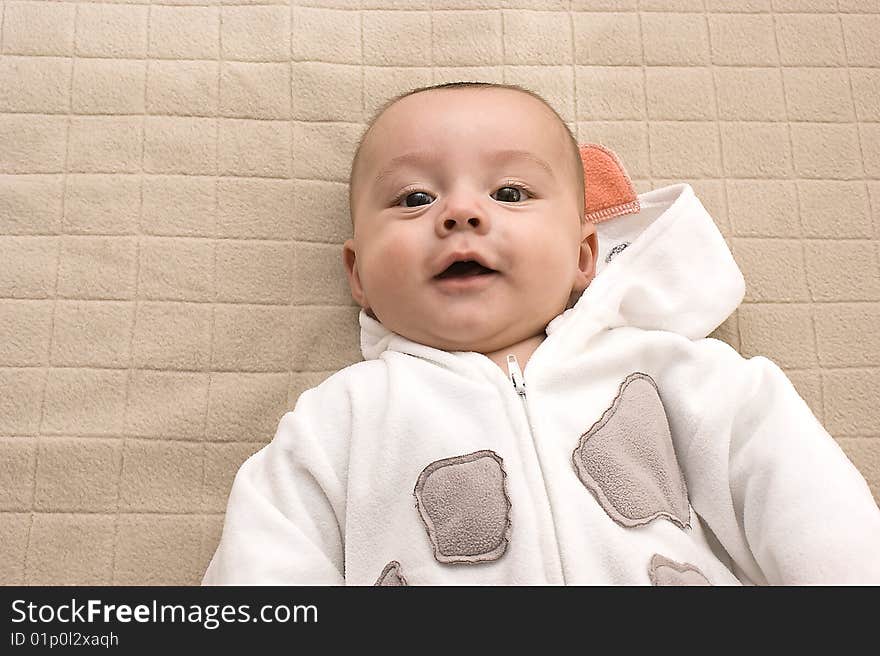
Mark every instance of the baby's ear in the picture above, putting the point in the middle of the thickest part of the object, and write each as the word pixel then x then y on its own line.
pixel 349 259
pixel 589 250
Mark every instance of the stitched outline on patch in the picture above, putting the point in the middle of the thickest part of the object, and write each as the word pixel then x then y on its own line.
pixel 658 561
pixel 391 575
pixel 596 489
pixel 496 552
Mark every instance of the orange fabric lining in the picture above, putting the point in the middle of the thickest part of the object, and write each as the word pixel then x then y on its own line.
pixel 608 190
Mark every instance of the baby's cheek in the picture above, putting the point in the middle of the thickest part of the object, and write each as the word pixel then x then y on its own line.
pixel 550 255
pixel 552 266
pixel 393 262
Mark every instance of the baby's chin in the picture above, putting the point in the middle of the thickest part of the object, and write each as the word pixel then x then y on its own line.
pixel 480 339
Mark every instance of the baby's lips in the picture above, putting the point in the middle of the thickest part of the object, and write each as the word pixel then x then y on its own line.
pixel 467 268
pixel 461 256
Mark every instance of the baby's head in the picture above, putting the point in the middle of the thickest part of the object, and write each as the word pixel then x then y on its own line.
pixel 468 171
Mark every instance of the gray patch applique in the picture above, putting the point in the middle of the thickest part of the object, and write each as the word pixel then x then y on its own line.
pixel 627 460
pixel 668 572
pixel 391 575
pixel 464 506
pixel 617 248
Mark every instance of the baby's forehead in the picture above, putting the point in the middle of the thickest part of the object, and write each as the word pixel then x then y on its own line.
pixel 532 134
pixel 476 105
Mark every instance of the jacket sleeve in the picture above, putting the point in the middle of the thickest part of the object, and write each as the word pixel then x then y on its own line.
pixel 286 510
pixel 771 483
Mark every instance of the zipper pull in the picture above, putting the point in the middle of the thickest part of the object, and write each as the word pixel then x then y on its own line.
pixel 516 376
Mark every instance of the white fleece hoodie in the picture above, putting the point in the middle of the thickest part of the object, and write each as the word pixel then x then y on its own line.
pixel 631 450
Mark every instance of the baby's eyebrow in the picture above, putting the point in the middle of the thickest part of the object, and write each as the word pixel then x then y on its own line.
pixel 421 156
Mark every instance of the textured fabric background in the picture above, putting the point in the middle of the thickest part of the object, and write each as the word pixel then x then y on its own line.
pixel 173 204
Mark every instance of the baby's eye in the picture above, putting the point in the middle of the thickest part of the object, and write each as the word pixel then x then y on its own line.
pixel 414 199
pixel 512 194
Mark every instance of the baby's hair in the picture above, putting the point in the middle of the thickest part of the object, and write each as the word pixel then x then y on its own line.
pixel 573 143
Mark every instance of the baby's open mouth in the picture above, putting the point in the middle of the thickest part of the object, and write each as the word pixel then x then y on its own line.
pixel 464 269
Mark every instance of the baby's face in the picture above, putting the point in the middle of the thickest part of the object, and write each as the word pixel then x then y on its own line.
pixel 467 174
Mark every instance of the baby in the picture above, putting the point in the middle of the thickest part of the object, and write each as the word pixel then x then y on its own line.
pixel 536 407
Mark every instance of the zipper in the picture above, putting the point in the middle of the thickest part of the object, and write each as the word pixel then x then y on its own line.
pixel 516 377
pixel 519 385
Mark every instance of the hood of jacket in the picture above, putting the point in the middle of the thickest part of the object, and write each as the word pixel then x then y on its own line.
pixel 665 267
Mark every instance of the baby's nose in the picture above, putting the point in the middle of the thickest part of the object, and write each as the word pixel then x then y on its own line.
pixel 462 210
pixel 453 223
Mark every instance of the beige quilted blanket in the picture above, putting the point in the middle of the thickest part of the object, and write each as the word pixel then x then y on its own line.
pixel 173 204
